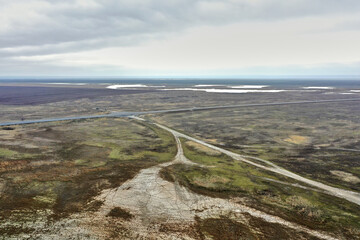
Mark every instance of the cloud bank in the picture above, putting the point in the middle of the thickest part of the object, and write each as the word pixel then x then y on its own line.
pixel 48 36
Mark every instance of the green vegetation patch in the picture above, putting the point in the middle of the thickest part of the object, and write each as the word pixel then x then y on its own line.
pixel 6 153
pixel 220 176
pixel 309 139
pixel 48 199
pixel 160 146
pixel 89 163
pixel 75 161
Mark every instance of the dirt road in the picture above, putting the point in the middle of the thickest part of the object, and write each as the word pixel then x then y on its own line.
pixel 155 202
pixel 341 193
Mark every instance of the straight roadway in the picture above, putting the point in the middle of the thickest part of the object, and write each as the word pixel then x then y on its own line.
pixel 128 114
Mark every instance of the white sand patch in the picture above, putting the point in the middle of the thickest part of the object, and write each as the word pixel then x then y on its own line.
pixel 127 86
pixel 214 90
pixel 315 87
pixel 183 89
pixel 133 86
pixel 244 91
pixel 355 91
pixel 250 86
pixel 229 86
pixel 208 85
pixel 346 93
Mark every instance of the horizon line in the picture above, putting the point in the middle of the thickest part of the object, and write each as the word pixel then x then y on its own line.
pixel 179 77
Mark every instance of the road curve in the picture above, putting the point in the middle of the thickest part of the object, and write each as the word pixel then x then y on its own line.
pixel 152 199
pixel 128 114
pixel 338 192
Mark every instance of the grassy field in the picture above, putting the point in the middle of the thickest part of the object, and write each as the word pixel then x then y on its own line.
pixel 318 141
pixel 48 171
pixel 221 176
pixel 53 170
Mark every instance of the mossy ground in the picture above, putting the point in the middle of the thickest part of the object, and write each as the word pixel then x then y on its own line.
pixel 223 177
pixel 72 163
pixel 250 228
pixel 306 139
pixel 6 153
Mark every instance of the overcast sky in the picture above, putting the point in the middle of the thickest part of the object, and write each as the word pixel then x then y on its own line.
pixel 179 37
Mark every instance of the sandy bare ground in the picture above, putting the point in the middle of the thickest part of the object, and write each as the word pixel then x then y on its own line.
pixel 338 192
pixel 155 202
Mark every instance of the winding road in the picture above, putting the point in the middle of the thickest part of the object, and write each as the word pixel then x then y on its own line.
pixel 341 193
pixel 149 196
pixel 338 192
pixel 154 199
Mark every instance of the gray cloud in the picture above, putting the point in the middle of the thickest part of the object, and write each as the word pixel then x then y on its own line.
pixel 66 25
pixel 11 67
pixel 43 27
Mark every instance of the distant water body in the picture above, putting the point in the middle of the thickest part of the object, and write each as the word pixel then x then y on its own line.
pixel 193 82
